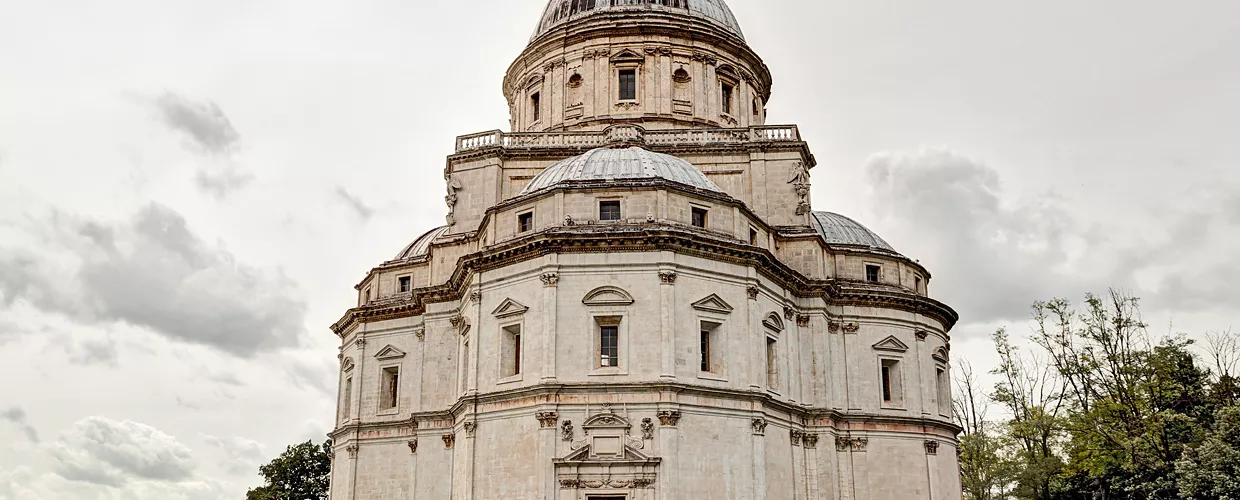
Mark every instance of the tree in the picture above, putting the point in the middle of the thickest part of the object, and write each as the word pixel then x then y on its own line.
pixel 1212 471
pixel 984 474
pixel 1031 394
pixel 300 473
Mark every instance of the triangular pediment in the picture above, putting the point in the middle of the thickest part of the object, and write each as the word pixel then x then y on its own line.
pixel 509 308
pixel 390 352
pixel 774 322
pixel 891 344
pixel 627 55
pixel 712 303
pixel 607 296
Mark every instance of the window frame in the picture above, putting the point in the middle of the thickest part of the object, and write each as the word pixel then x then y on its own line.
pixel 392 390
pixel 774 362
pixel 346 404
pixel 942 385
pixel 878 275
pixel 521 229
pixel 753 236
pixel 621 70
pixel 894 368
pixel 536 106
pixel 511 348
pixel 610 201
pixel 694 210
pixel 608 318
pixel 402 281
pixel 727 96
pixel 714 329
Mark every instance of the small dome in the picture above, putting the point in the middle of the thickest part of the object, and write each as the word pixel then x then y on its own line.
pixel 840 230
pixel 606 164
pixel 716 12
pixel 420 246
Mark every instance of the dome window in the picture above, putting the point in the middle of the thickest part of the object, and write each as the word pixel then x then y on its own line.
pixel 726 103
pixel 628 85
pixel 525 222
pixel 609 210
pixel 536 106
pixel 405 283
pixel 699 217
pixel 873 273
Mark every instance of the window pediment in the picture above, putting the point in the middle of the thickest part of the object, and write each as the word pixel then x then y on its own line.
pixel 627 55
pixel 891 344
pixel 389 352
pixel 773 322
pixel 713 303
pixel 940 355
pixel 509 308
pixel 608 296
pixel 347 365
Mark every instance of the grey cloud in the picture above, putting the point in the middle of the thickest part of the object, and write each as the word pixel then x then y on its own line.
pixel 318 376
pixel 202 122
pixel 221 184
pixel 93 352
pixel 242 455
pixel 102 451
pixel 364 211
pixel 17 416
pixel 154 272
pixel 992 259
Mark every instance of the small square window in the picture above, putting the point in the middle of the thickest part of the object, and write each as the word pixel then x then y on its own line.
pixel 609 210
pixel 873 273
pixel 699 217
pixel 536 104
pixel 628 84
pixel 525 222
pixel 405 283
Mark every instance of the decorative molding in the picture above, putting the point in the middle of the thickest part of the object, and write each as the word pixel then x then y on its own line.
pixel 546 419
pixel 593 482
pixel 647 429
pixel 941 355
pixel 810 440
pixel 932 447
pixel 842 443
pixel 753 291
pixel 509 308
pixel 593 53
pixel 891 344
pixel 789 313
pixel 627 55
pixel 449 440
pixel 759 426
pixel 833 326
pixel 802 320
pixel 550 279
pixel 413 446
pixel 714 304
pixel 607 296
pixel 566 430
pixel 669 417
pixel 471 427
pixel 475 297
pixel 420 332
pixel 352 449
pixel 773 322
pixel 796 437
pixel 859 444
pixel 852 328
pixel 921 335
pixel 667 277
pixel 389 352
pixel 347 365
pixel 628 105
pixel 454 185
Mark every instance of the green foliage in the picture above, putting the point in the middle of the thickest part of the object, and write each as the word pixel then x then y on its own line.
pixel 302 472
pixel 1101 411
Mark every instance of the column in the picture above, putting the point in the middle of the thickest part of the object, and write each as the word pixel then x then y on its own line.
pixel 669 437
pixel 547 423
pixel 550 280
pixel 842 447
pixel 667 316
pixel 798 464
pixel 759 457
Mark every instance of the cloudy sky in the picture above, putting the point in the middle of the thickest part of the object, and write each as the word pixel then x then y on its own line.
pixel 189 189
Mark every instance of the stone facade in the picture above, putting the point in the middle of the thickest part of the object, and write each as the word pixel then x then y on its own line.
pixel 639 337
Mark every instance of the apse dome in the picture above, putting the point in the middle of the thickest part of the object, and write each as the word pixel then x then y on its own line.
pixel 839 230
pixel 607 164
pixel 716 12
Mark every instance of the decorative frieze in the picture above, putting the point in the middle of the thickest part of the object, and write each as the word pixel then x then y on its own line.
pixel 759 426
pixel 546 419
pixel 932 447
pixel 667 277
pixel 857 445
pixel 669 417
pixel 597 482
pixel 449 440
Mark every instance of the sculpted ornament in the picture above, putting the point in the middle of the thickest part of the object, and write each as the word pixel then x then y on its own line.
pixel 475 297
pixel 546 419
pixel 667 277
pixel 352 449
pixel 833 326
pixel 752 290
pixel 759 426
pixel 454 185
pixel 796 437
pixel 550 279
pixel 470 428
pixel 802 320
pixel 647 429
pixel 852 328
pixel 811 440
pixel 413 446
pixel 789 313
pixel 566 430
pixel 932 447
pixel 449 440
pixel 668 417
pixel 800 182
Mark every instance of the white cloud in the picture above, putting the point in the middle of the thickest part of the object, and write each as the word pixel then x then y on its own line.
pixel 102 451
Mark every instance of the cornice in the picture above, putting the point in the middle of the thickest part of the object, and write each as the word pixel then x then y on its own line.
pixel 557 153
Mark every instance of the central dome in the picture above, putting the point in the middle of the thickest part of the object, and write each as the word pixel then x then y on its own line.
pixel 608 164
pixel 715 11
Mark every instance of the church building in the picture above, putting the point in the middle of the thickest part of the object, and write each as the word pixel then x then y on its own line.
pixel 634 297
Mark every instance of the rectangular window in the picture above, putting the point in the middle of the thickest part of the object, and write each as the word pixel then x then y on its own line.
pixel 609 210
pixel 772 365
pixel 753 236
pixel 710 343
pixel 890 379
pixel 727 98
pixel 628 84
pixel 596 497
pixel 367 299
pixel 699 217
pixel 536 105
pixel 391 388
pixel 525 222
pixel 405 283
pixel 346 407
pixel 945 397
pixel 917 284
pixel 609 346
pixel 705 338
pixel 873 273
pixel 511 351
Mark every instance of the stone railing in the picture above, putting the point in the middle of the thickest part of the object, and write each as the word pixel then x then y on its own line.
pixel 628 134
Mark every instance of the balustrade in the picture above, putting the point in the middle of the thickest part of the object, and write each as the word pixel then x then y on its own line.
pixel 665 137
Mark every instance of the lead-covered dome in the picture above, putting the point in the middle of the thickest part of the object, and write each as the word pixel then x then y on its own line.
pixel 716 12
pixel 607 164
pixel 840 230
